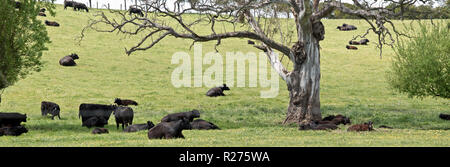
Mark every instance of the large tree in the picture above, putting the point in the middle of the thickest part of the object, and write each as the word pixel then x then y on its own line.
pixel 266 24
pixel 22 39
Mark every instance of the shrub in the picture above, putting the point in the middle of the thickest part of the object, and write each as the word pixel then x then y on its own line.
pixel 421 63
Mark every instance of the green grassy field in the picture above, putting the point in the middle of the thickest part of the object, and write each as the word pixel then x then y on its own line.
pixel 353 83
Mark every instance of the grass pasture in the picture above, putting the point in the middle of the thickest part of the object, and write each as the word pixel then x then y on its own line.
pixel 353 83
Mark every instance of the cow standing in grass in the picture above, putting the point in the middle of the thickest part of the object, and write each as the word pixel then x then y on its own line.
pixel 124 116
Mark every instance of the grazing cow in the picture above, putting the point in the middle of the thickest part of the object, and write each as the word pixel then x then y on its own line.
pixel 362 127
pixel 217 91
pixel 444 116
pixel 69 60
pixel 351 47
pixel 42 14
pixel 12 119
pixel 95 122
pixel 80 6
pixel 124 116
pixel 69 4
pixel 87 111
pixel 13 131
pixel 50 108
pixel 125 102
pixel 190 115
pixel 139 127
pixel 169 130
pixel 51 23
pixel 100 131
pixel 203 125
pixel 42 10
pixel 136 11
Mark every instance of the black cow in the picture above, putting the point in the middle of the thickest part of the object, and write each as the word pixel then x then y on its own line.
pixel 217 91
pixel 42 14
pixel 13 131
pixel 338 119
pixel 203 125
pixel 317 126
pixel 169 130
pixel 136 11
pixel 18 4
pixel 51 23
pixel 50 108
pixel 124 116
pixel 125 102
pixel 80 6
pixel 361 42
pixel 190 115
pixel 69 4
pixel 95 121
pixel 87 111
pixel 69 60
pixel 444 116
pixel 42 10
pixel 12 119
pixel 100 131
pixel 139 127
pixel 346 27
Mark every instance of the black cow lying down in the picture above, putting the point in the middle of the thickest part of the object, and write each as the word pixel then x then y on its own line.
pixel 217 91
pixel 12 119
pixel 13 131
pixel 444 116
pixel 169 130
pixel 360 42
pixel 100 131
pixel 42 14
pixel 190 115
pixel 139 127
pixel 69 60
pixel 203 125
pixel 346 27
pixel 51 23
pixel 50 108
pixel 125 102
pixel 95 122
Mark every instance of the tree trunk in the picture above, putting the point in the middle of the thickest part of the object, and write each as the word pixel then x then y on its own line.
pixel 303 84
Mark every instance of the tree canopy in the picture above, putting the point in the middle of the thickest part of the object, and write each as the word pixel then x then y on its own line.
pixel 23 38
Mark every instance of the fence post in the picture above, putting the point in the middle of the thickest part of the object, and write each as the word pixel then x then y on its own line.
pixel 90 3
pixel 108 5
pixel 97 4
pixel 125 6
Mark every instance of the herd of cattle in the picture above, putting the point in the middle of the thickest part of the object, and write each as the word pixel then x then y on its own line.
pixel 170 126
pixel 347 27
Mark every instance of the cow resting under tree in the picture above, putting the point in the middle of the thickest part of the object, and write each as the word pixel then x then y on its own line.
pixel 303 81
